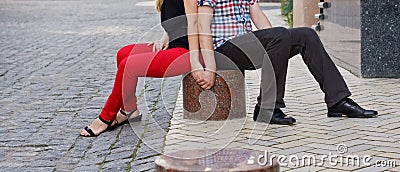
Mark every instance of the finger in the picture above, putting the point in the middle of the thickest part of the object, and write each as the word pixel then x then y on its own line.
pixel 195 76
pixel 151 43
pixel 165 46
pixel 154 48
pixel 194 72
pixel 202 83
pixel 203 86
pixel 200 80
pixel 158 47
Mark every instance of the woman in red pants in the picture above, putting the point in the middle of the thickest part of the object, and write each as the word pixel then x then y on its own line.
pixel 168 57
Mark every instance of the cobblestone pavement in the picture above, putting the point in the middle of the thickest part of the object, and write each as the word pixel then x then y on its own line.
pixel 314 134
pixel 57 69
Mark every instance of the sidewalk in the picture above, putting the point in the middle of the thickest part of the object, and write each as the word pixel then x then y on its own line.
pixel 314 134
pixel 58 66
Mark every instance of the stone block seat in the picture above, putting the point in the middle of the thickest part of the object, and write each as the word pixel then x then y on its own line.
pixel 225 100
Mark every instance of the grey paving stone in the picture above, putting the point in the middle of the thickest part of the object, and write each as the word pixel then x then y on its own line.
pixel 118 165
pixel 115 156
pixel 56 75
pixel 143 167
pixel 87 168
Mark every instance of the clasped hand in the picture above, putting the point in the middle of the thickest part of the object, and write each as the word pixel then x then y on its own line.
pixel 205 78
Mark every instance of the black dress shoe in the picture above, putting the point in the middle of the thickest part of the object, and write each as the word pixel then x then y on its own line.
pixel 350 109
pixel 277 117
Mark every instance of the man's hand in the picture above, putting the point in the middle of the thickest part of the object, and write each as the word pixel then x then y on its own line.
pixel 204 78
pixel 159 45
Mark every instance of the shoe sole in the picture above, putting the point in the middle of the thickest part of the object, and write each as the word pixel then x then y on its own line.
pixel 336 115
pixel 276 123
pixel 283 123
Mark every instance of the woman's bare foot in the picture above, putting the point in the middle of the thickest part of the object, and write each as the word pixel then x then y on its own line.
pixel 97 127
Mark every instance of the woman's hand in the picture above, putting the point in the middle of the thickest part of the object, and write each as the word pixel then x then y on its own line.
pixel 159 45
pixel 205 78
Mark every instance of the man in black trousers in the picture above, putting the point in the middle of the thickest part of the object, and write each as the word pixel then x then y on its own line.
pixel 230 26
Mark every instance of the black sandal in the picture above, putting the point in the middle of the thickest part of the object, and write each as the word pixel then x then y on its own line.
pixel 117 124
pixel 90 131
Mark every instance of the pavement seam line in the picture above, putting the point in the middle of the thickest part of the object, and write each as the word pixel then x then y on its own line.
pixel 145 130
pixel 128 167
pixel 101 165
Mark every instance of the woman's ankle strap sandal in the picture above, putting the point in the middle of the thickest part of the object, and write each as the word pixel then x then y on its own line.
pixel 117 123
pixel 124 113
pixel 135 119
pixel 90 131
pixel 105 122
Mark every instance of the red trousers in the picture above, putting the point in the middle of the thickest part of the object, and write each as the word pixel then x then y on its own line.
pixel 139 60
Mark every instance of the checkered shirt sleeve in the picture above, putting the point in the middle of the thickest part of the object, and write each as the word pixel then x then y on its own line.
pixel 231 18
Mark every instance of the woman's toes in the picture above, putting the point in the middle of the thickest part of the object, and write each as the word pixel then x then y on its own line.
pixel 84 133
pixel 97 127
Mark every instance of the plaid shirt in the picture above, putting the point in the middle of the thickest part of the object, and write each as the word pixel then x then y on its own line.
pixel 231 19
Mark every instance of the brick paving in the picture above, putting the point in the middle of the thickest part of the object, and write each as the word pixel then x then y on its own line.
pixel 57 69
pixel 314 134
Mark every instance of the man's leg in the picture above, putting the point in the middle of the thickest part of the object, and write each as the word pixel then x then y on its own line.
pixel 278 52
pixel 248 53
pixel 268 49
pixel 306 42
